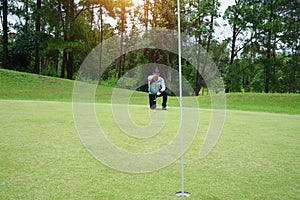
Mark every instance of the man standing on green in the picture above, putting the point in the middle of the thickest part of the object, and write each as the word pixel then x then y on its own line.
pixel 157 88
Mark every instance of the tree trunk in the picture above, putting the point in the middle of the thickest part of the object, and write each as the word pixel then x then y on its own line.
pixel 267 76
pixel 26 16
pixel 56 57
pixel 232 55
pixel 100 39
pixel 267 69
pixel 55 62
pixel 5 35
pixel 43 61
pixel 211 26
pixel 36 61
pixel 70 65
pixel 146 10
pixel 234 36
pixel 65 24
pixel 154 14
pixel 197 75
pixel 119 65
pixel 122 62
pixel 267 66
pixel 37 30
pixel 64 64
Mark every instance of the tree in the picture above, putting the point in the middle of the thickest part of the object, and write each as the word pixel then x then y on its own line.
pixel 289 78
pixel 201 16
pixel 37 30
pixel 104 7
pixel 26 30
pixel 289 11
pixel 146 13
pixel 68 20
pixel 121 10
pixel 237 17
pixel 262 25
pixel 54 36
pixel 5 34
pixel 267 25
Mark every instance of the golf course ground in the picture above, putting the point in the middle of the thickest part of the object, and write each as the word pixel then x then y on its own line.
pixel 42 157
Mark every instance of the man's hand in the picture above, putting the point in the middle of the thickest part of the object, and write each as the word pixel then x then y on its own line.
pixel 158 93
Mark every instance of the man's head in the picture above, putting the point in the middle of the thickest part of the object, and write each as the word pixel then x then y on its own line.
pixel 156 73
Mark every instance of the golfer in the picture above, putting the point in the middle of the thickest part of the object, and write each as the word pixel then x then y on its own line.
pixel 157 88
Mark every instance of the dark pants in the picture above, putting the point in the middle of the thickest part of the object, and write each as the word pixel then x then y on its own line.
pixel 152 98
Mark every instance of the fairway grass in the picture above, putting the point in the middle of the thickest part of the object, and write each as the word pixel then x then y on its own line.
pixel 42 157
pixel 24 86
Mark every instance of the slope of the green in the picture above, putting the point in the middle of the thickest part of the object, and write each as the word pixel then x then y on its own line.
pixel 278 103
pixel 24 86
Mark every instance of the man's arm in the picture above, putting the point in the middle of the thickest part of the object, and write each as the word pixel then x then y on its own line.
pixel 150 77
pixel 163 85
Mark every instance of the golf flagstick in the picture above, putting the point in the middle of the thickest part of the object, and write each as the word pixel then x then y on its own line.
pixel 182 193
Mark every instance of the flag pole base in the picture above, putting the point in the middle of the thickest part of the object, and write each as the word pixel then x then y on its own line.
pixel 183 194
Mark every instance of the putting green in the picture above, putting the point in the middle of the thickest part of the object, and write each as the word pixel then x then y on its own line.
pixel 42 156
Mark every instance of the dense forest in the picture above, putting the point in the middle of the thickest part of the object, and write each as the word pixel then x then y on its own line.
pixel 260 54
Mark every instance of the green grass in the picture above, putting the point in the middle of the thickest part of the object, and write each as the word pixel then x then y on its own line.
pixel 42 156
pixel 279 103
pixel 16 85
